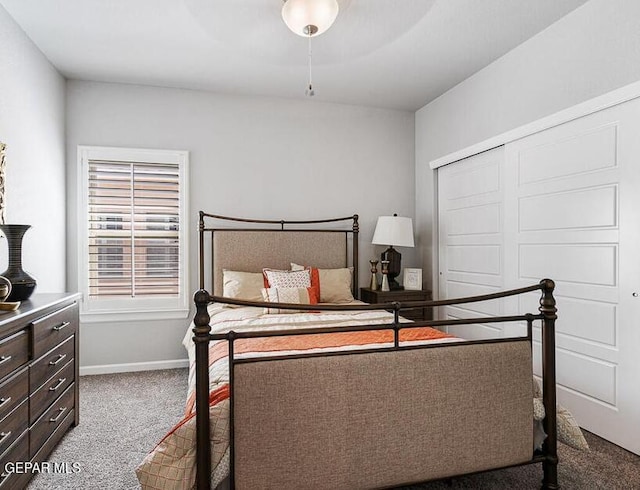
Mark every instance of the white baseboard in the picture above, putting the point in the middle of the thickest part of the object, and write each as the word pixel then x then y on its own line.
pixel 133 367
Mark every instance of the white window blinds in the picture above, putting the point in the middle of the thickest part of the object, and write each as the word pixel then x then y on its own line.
pixel 134 229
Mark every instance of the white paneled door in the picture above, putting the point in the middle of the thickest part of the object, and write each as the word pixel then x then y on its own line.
pixel 563 203
pixel 470 251
pixel 573 200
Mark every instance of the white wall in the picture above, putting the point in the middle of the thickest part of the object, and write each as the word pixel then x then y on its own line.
pixel 593 50
pixel 32 105
pixel 249 157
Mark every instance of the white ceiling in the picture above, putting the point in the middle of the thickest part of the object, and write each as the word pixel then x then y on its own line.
pixel 386 53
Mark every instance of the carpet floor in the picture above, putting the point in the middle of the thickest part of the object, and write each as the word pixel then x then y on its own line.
pixel 123 416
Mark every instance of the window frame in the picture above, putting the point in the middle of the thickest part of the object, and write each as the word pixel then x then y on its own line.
pixel 124 309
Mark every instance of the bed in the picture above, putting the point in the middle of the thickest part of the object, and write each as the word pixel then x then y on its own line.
pixel 347 395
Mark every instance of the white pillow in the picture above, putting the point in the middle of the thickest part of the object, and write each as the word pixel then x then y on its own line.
pixel 242 285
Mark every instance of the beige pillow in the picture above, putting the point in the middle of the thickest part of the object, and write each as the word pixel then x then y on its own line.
pixel 242 285
pixel 335 284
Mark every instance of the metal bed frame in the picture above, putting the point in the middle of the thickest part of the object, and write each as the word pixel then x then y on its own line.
pixel 202 336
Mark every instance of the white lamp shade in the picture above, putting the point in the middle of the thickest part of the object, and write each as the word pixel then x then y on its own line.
pixel 298 14
pixel 393 230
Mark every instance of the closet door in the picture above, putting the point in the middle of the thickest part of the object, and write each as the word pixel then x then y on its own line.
pixel 470 251
pixel 575 192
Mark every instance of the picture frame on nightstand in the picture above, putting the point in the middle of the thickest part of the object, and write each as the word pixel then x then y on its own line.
pixel 412 279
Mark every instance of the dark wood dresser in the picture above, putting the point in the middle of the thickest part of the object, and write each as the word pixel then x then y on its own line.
pixel 38 381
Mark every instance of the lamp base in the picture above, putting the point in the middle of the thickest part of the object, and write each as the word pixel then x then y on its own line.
pixel 395 262
pixel 393 284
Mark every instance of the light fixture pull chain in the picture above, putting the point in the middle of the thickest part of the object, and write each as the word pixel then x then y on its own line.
pixel 310 92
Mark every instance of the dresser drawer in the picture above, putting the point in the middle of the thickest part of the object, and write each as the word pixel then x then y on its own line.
pixel 52 329
pixel 50 363
pixel 53 440
pixel 17 481
pixel 13 425
pixel 13 391
pixel 18 452
pixel 50 391
pixel 14 352
pixel 51 420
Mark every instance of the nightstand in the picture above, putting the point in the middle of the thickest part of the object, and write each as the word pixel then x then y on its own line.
pixel 376 296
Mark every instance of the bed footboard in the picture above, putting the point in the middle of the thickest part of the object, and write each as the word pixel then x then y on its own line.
pixel 381 419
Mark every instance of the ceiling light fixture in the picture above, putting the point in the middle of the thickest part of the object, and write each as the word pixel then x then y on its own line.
pixel 309 18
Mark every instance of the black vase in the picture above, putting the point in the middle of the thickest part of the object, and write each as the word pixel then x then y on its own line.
pixel 22 284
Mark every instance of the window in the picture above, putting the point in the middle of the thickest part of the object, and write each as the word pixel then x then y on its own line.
pixel 133 238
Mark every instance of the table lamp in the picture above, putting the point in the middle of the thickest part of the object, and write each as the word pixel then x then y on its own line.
pixel 393 231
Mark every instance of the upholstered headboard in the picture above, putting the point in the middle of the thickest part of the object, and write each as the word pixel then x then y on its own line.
pixel 250 249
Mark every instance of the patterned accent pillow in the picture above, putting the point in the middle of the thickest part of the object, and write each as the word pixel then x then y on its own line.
pixel 287 279
pixel 569 431
pixel 298 296
pixel 538 410
pixel 334 285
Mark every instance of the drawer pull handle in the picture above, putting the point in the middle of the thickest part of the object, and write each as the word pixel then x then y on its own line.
pixel 60 383
pixel 60 358
pixel 4 435
pixel 4 400
pixel 57 417
pixel 4 359
pixel 57 328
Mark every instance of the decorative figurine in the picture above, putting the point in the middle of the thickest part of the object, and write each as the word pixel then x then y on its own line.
pixel 374 277
pixel 385 277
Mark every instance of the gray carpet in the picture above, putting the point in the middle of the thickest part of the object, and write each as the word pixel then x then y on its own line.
pixel 124 415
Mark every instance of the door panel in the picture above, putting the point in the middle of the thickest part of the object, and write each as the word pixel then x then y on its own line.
pixel 584 263
pixel 585 150
pixel 470 239
pixel 594 208
pixel 571 214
